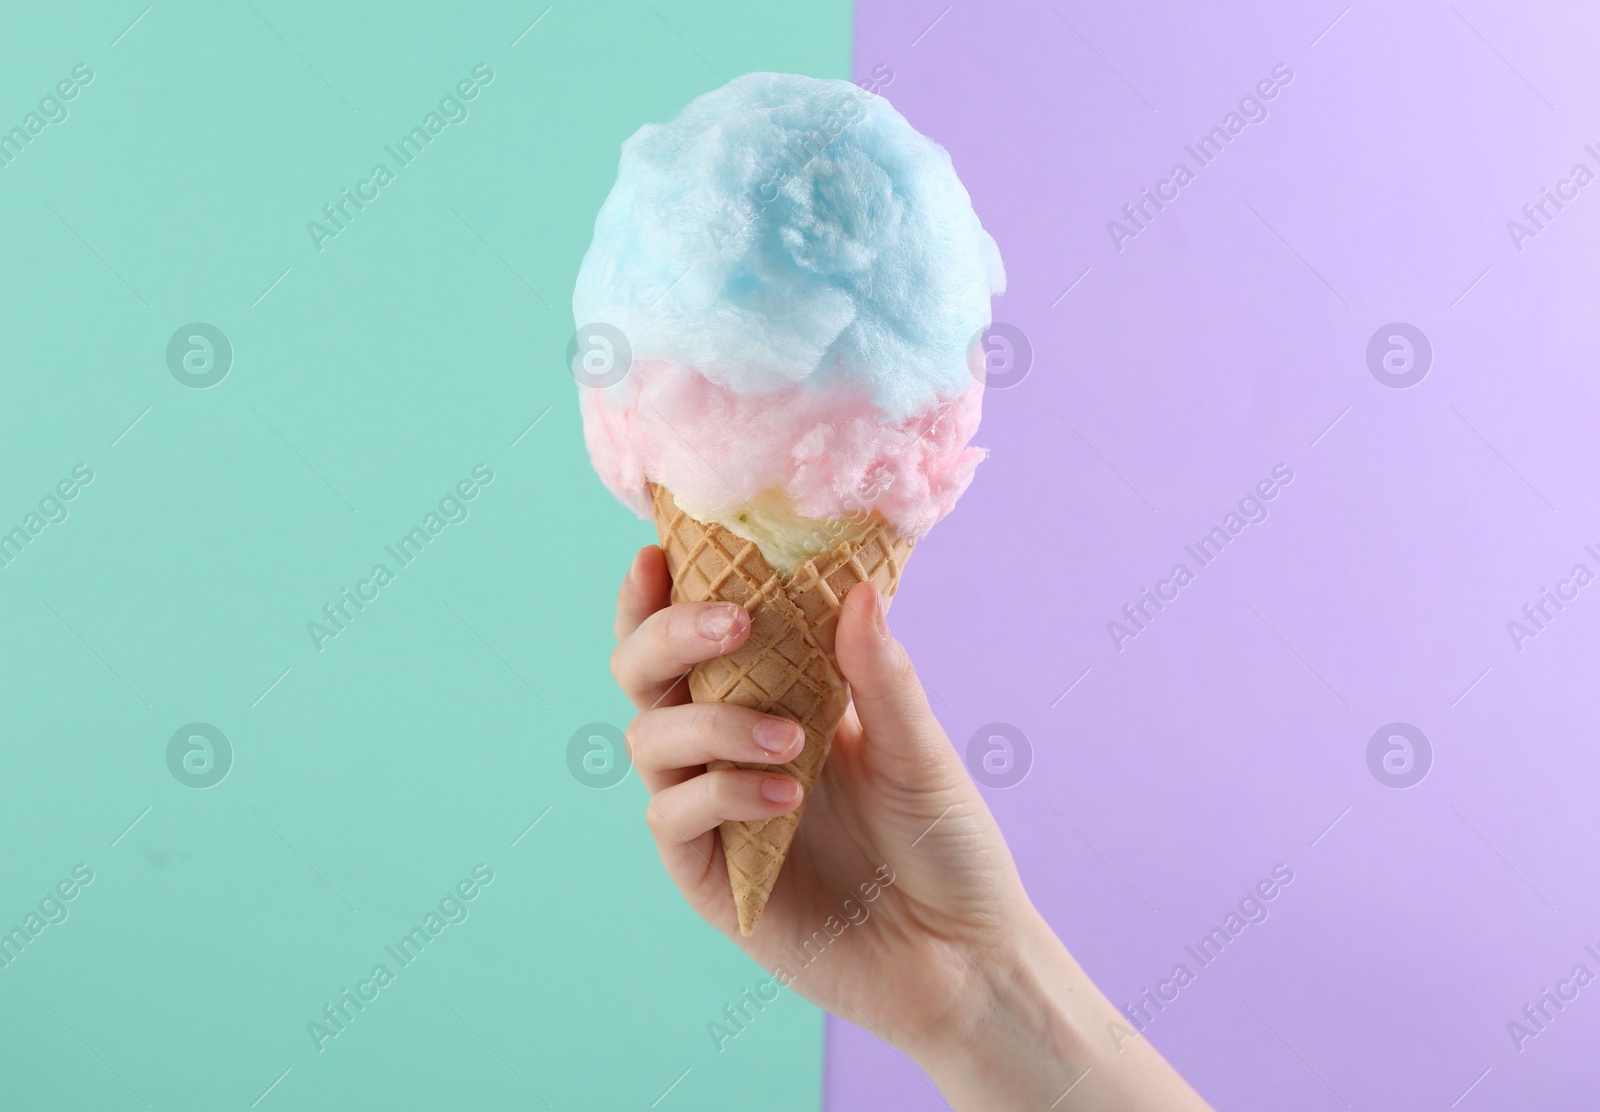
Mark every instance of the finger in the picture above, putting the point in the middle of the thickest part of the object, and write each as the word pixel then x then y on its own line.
pixel 653 658
pixel 680 814
pixel 645 589
pixel 887 696
pixel 670 744
pixel 684 819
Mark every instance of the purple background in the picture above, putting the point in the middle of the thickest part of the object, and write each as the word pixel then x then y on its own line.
pixel 1223 340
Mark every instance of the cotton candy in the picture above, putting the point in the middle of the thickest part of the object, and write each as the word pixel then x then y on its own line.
pixel 801 281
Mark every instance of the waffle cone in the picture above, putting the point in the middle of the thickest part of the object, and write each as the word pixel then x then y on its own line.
pixel 786 666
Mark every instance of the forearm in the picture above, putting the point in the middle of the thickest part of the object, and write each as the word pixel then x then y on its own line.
pixel 1039 1035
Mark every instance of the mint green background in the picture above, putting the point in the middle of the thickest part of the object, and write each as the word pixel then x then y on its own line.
pixel 408 750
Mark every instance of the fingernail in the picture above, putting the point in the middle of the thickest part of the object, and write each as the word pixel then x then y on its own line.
pixel 778 736
pixel 780 791
pixel 718 622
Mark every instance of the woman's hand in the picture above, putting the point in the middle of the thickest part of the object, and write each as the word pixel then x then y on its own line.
pixel 899 906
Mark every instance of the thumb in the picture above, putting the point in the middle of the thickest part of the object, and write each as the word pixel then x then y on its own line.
pixel 903 736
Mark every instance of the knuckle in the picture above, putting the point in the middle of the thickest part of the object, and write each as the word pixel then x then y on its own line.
pixel 680 624
pixel 886 682
pixel 715 785
pixel 709 720
pixel 902 671
pixel 723 789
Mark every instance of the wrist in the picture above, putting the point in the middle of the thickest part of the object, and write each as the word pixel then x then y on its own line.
pixel 1031 1026
pixel 1024 1026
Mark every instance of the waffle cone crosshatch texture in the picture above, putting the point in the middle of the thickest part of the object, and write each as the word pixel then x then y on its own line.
pixel 787 666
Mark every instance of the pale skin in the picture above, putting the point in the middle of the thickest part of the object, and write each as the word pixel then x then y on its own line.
pixel 953 965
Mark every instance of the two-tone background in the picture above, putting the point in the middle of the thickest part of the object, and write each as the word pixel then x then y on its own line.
pixel 1377 276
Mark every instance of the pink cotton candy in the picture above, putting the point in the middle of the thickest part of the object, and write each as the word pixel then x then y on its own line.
pixel 828 451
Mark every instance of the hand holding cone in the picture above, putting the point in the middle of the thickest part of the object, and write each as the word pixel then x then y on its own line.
pixel 786 666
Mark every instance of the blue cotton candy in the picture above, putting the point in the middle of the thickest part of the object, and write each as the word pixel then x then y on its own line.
pixel 787 230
